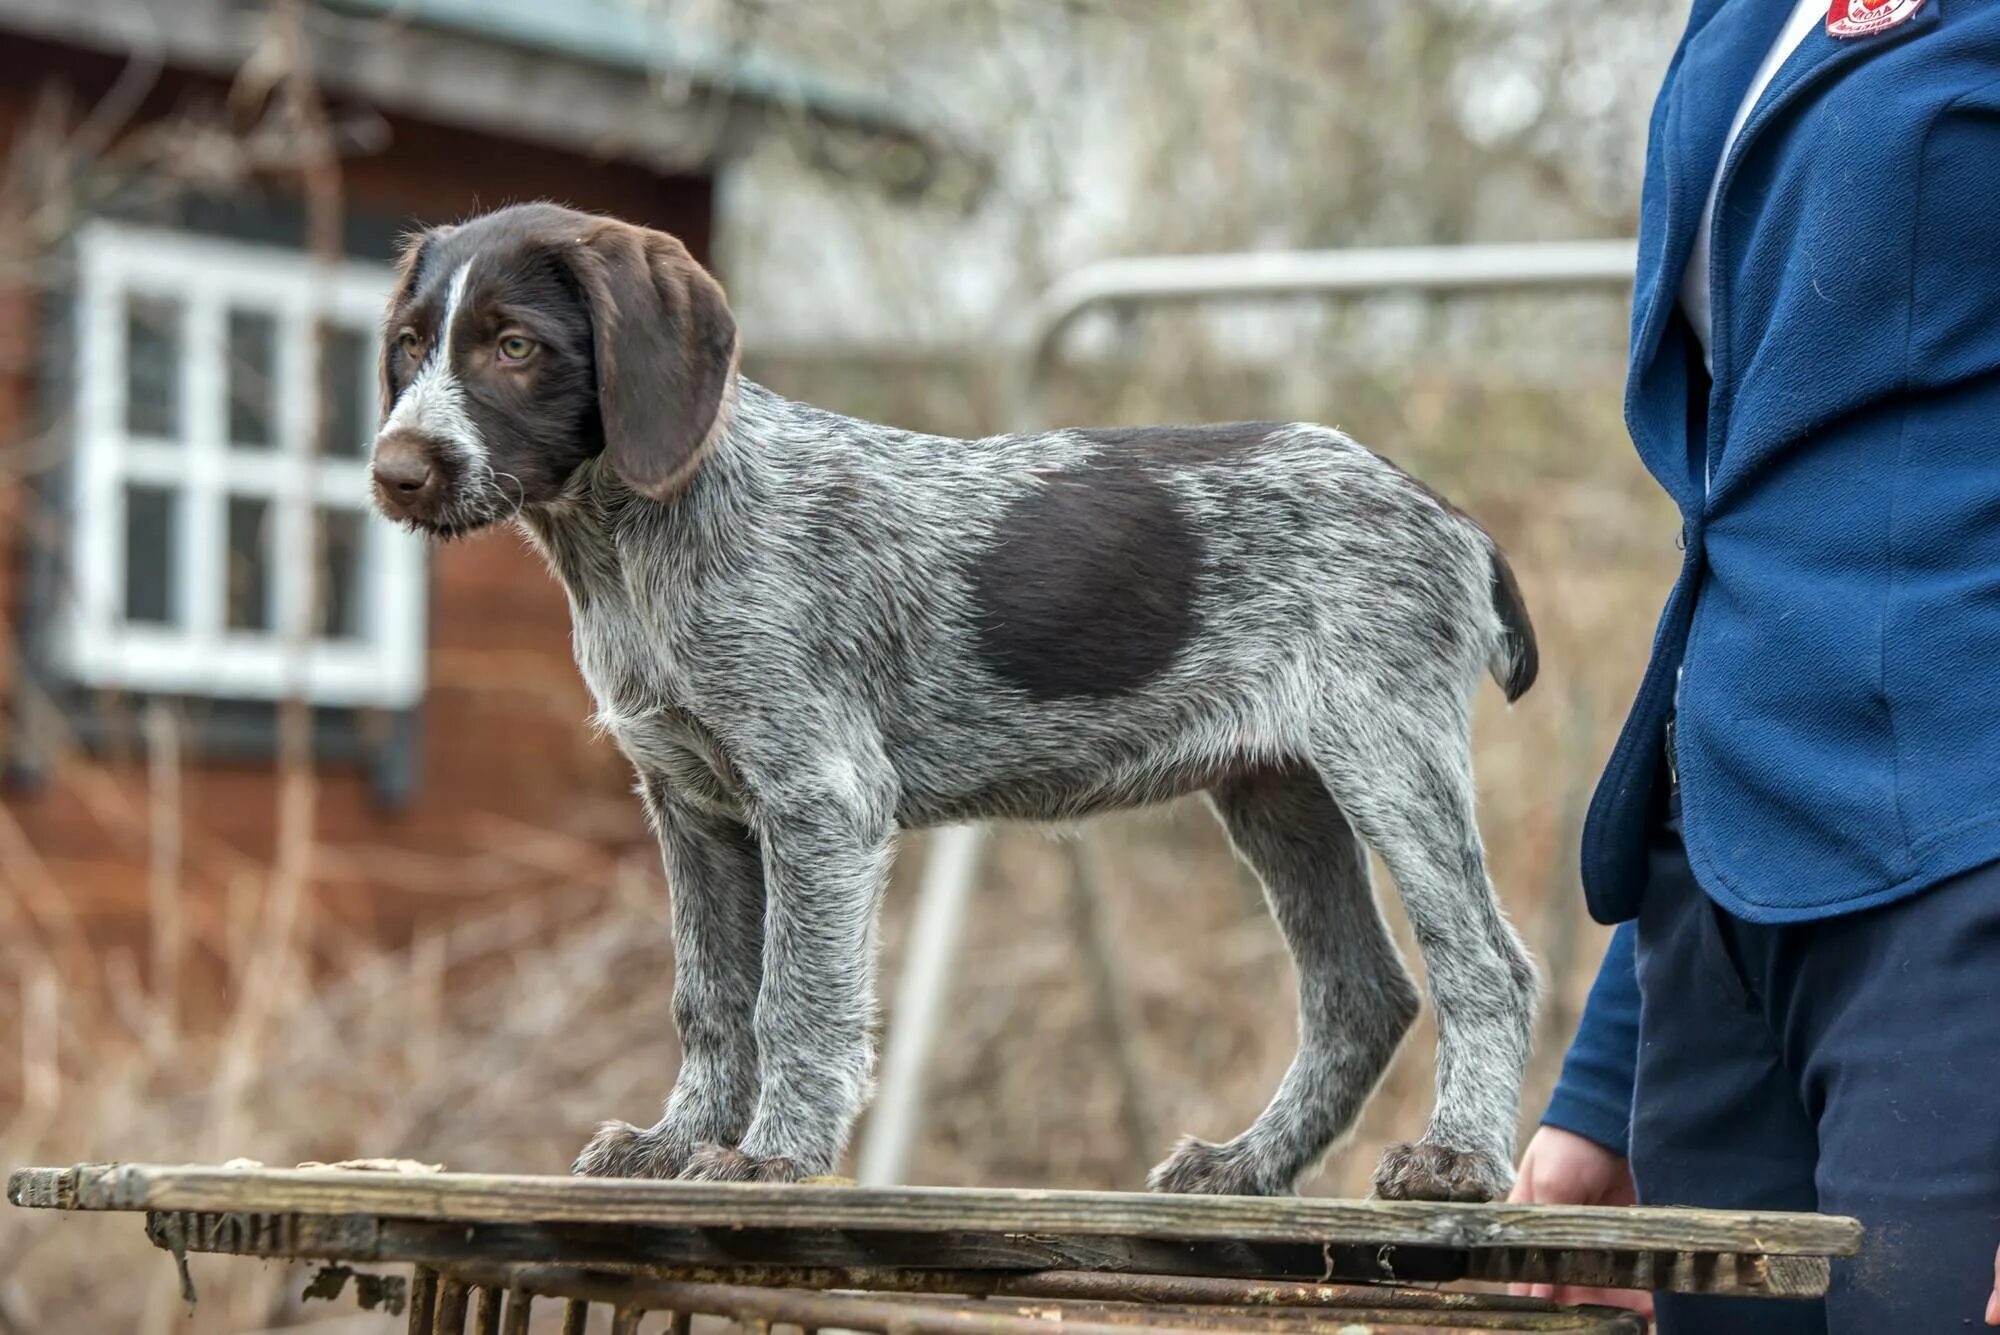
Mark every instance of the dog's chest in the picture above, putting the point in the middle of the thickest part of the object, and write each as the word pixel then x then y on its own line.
pixel 675 747
pixel 640 704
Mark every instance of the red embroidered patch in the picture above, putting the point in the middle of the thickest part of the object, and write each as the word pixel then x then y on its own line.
pixel 1865 18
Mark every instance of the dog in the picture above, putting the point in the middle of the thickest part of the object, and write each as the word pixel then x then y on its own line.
pixel 808 632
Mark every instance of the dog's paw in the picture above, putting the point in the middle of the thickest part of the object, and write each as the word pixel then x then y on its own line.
pixel 620 1149
pixel 1199 1167
pixel 720 1163
pixel 1424 1172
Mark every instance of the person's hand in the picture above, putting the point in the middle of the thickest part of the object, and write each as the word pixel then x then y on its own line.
pixel 1993 1303
pixel 1562 1168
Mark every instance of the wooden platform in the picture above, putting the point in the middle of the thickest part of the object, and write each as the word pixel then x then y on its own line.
pixel 750 1250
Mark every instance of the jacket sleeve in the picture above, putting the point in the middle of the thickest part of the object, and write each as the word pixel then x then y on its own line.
pixel 1593 1098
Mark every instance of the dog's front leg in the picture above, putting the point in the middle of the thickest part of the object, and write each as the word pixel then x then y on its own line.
pixel 715 875
pixel 827 848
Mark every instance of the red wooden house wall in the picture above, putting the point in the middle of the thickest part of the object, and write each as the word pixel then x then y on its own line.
pixel 506 755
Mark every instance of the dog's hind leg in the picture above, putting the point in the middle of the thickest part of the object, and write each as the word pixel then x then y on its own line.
pixel 1356 1000
pixel 1402 770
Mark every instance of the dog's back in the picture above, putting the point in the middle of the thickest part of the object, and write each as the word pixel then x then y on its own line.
pixel 1047 625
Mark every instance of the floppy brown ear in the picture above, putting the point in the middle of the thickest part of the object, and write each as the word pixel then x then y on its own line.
pixel 409 269
pixel 666 354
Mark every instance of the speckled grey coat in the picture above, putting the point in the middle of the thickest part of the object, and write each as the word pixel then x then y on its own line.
pixel 808 632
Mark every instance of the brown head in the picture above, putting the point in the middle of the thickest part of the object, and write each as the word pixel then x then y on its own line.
pixel 531 339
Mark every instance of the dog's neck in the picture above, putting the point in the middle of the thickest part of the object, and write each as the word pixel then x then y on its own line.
pixel 586 532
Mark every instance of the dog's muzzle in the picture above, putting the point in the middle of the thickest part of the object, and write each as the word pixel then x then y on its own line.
pixel 408 483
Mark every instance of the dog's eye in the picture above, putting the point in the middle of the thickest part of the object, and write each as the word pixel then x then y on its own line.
pixel 515 348
pixel 412 346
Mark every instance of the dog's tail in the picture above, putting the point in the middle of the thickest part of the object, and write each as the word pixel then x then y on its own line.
pixel 1516 657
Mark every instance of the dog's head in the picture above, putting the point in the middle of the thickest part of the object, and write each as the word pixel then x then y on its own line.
pixel 524 342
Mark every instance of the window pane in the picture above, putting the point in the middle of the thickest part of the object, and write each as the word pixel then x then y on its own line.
pixel 350 394
pixel 340 588
pixel 249 574
pixel 152 366
pixel 253 363
pixel 151 516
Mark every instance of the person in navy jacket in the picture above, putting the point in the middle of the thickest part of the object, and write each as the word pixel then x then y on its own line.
pixel 1798 831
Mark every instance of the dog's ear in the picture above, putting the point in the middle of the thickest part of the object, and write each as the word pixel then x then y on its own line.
pixel 666 354
pixel 409 270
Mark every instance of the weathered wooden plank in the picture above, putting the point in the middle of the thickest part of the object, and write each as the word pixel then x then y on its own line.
pixel 953 1262
pixel 433 1242
pixel 475 1198
pixel 44 1188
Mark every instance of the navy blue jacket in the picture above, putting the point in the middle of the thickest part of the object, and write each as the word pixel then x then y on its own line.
pixel 1831 649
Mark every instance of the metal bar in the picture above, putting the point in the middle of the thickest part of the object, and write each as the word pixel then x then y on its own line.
pixel 795 1307
pixel 423 1299
pixel 520 1312
pixel 1069 1285
pixel 1327 273
pixel 919 1315
pixel 576 1315
pixel 625 1320
pixel 486 1314
pixel 1198 1291
pixel 450 1318
pixel 951 866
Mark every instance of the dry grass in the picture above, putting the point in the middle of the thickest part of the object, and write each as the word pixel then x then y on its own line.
pixel 496 1038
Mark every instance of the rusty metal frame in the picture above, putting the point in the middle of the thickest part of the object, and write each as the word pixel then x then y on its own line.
pixel 458 1276
pixel 1077 1304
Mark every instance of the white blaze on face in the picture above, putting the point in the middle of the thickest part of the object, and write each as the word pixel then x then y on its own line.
pixel 433 406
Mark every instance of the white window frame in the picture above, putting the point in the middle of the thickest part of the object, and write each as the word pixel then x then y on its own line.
pixel 383 666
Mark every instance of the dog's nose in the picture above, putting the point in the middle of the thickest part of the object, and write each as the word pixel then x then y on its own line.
pixel 405 481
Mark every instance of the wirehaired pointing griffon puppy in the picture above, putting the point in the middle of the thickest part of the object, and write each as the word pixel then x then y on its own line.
pixel 808 632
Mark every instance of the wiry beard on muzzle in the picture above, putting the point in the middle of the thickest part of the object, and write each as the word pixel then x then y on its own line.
pixel 476 496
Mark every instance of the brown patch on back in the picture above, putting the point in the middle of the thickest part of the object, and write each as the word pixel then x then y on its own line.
pixel 1089 587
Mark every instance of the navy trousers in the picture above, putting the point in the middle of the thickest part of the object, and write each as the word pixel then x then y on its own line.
pixel 1849 1065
